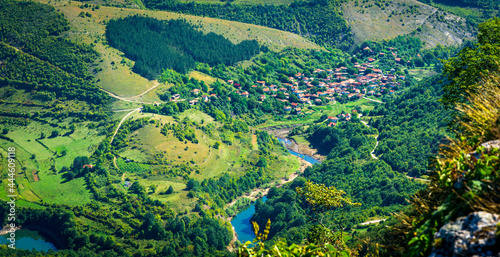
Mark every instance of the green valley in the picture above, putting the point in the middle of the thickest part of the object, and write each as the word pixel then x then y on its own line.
pixel 248 128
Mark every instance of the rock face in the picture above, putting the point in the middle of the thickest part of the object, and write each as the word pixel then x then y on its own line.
pixel 473 235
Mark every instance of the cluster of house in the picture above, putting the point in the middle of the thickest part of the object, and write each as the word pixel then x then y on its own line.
pixel 394 54
pixel 333 120
pixel 336 84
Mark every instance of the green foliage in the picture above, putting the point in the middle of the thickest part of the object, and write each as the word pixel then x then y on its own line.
pixel 182 131
pixel 486 4
pixel 324 198
pixel 34 28
pixel 156 45
pixel 317 19
pixel 127 127
pixel 412 127
pixel 472 63
pixel 281 248
pixel 370 182
pixel 323 241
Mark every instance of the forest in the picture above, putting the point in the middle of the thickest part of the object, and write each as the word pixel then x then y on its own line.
pixel 318 20
pixel 157 45
pixel 53 74
pixel 35 29
pixel 349 167
pixel 409 49
pixel 39 68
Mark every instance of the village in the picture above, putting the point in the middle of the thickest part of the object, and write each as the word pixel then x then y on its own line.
pixel 337 85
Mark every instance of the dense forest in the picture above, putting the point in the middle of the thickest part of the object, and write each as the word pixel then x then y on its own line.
pixel 349 167
pixel 34 28
pixel 156 45
pixel 408 49
pixel 412 127
pixel 318 20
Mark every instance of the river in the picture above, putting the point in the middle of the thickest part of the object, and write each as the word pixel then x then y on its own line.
pixel 30 239
pixel 241 222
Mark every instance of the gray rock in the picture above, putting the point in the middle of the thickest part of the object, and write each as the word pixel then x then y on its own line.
pixel 487 147
pixel 473 235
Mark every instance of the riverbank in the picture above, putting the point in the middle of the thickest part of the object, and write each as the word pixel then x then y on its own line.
pixel 292 144
pixel 259 192
pixel 55 238
pixel 6 230
pixel 49 234
pixel 254 194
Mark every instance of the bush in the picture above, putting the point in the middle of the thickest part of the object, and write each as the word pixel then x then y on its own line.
pixel 170 190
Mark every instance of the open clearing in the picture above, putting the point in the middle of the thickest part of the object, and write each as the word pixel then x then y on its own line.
pixel 315 112
pixel 40 160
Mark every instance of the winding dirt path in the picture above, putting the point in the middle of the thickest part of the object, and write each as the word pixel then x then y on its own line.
pixel 132 99
pixel 374 100
pixel 376 138
pixel 121 122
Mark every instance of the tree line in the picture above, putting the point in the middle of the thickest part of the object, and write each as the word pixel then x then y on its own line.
pixel 35 28
pixel 175 44
pixel 349 167
pixel 318 20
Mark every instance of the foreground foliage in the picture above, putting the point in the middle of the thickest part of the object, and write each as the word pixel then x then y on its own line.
pixel 466 176
pixel 325 242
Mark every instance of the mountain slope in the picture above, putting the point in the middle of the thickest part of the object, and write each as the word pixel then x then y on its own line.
pixel 375 21
pixel 114 71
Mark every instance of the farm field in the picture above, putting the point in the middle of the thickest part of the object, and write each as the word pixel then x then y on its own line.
pixel 40 161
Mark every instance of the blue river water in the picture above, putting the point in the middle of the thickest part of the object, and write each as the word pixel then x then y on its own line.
pixel 242 225
pixel 30 239
pixel 307 158
pixel 241 222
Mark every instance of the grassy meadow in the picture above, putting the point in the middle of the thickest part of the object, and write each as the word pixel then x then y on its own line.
pixel 39 161
pixel 313 113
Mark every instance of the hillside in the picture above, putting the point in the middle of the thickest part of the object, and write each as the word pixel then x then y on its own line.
pixel 371 21
pixel 114 70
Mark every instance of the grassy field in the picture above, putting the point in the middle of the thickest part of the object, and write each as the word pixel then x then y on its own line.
pixel 147 142
pixel 313 113
pixel 39 161
pixel 203 77
pixel 421 73
pixel 114 71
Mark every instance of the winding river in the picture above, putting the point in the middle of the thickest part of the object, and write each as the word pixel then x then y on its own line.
pixel 241 222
